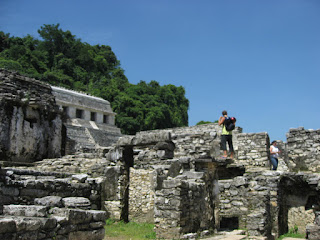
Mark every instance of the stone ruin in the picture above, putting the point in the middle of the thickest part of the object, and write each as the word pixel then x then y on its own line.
pixel 173 178
pixel 89 121
pixel 41 121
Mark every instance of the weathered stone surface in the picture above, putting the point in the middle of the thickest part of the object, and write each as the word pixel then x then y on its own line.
pixel 76 202
pixel 30 121
pixel 80 177
pixel 313 232
pixel 7 225
pixel 303 149
pixel 49 201
pixel 25 210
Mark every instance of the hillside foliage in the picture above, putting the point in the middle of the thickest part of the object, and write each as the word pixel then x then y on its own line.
pixel 61 59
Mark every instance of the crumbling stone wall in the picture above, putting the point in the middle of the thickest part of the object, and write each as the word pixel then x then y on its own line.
pixel 41 222
pixel 303 149
pixel 299 201
pixel 23 186
pixel 313 230
pixel 30 121
pixel 185 204
pixel 233 204
pixel 253 150
pixel 38 205
pixel 199 141
pixel 249 202
pixel 152 156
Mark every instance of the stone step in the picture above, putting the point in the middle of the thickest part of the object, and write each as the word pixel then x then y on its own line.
pixel 25 210
pixel 44 204
pixel 13 224
pixel 68 202
pixel 36 211
pixel 76 202
pixel 62 223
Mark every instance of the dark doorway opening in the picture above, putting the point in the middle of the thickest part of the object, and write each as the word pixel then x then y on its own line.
pixel 128 162
pixel 229 223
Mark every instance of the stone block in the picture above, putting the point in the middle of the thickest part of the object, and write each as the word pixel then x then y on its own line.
pixel 194 175
pixel 25 210
pixel 173 183
pixel 49 201
pixel 313 232
pixel 76 202
pixel 7 225
pixel 10 191
pixel 80 177
pixel 77 216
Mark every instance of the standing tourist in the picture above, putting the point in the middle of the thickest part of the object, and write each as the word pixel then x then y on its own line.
pixel 226 136
pixel 274 154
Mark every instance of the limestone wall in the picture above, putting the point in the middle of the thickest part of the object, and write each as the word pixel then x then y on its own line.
pixel 24 186
pixel 200 141
pixel 30 121
pixel 47 205
pixel 303 149
pixel 141 195
pixel 185 204
pixel 253 150
pixel 41 222
pixel 233 205
pixel 299 202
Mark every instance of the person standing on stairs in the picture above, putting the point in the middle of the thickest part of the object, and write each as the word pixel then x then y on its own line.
pixel 226 136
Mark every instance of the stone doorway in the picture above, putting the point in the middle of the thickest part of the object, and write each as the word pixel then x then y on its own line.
pixel 296 207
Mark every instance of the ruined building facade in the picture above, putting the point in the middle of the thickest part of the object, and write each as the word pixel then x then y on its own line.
pixel 41 121
pixel 89 121
pixel 173 178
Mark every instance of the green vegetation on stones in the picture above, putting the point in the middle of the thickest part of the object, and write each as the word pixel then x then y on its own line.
pixel 131 230
pixel 206 122
pixel 293 233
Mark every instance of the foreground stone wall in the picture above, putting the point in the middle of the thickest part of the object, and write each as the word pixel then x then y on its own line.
pixel 37 205
pixel 303 149
pixel 30 121
pixel 35 222
pixel 24 186
pixel 185 204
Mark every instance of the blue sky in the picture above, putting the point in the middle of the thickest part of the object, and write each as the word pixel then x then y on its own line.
pixel 259 60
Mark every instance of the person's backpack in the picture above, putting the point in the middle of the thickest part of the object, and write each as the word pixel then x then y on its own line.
pixel 229 123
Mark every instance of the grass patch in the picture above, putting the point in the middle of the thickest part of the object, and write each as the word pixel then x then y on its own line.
pixel 131 230
pixel 293 233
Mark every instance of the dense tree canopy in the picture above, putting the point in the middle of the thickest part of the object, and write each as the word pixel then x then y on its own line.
pixel 61 59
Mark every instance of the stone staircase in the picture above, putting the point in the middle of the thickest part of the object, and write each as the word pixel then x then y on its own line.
pixel 78 138
pixel 48 205
pixel 84 139
pixel 49 222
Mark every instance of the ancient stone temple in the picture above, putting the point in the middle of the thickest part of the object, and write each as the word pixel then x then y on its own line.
pixel 173 178
pixel 89 120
